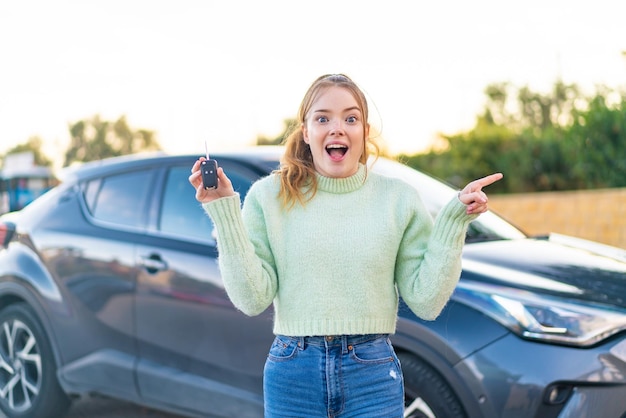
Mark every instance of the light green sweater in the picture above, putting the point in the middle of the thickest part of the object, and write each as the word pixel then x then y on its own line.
pixel 336 265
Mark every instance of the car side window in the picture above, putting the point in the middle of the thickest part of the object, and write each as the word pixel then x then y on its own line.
pixel 181 214
pixel 120 198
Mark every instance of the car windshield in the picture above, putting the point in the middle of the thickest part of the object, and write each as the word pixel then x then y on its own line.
pixel 435 194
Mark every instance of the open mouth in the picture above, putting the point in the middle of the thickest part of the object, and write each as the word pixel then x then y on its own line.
pixel 336 151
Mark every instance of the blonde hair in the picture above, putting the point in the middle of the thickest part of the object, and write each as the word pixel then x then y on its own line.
pixel 298 182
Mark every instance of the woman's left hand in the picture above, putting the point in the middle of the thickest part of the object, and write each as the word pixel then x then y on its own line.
pixel 473 196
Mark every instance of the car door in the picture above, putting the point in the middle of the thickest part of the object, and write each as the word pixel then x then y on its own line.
pixel 88 242
pixel 196 350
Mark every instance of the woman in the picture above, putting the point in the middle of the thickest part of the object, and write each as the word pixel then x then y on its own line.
pixel 331 245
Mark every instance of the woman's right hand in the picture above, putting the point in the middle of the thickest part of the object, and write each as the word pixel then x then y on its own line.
pixel 224 186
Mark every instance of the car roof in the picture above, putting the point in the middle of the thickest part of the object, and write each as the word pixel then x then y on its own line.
pixel 264 157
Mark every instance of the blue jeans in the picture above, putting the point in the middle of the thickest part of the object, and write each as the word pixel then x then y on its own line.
pixel 333 377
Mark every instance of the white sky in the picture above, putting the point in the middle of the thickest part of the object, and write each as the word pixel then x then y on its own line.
pixel 228 70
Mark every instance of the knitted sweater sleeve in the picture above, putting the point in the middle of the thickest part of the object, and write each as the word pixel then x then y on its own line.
pixel 245 260
pixel 429 260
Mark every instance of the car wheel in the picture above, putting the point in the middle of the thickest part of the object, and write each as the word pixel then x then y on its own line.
pixel 28 382
pixel 426 393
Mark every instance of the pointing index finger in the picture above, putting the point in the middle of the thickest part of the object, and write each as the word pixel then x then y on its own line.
pixel 487 180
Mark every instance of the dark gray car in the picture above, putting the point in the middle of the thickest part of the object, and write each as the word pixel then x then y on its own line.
pixel 109 284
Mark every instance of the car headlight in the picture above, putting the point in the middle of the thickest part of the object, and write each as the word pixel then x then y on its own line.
pixel 542 317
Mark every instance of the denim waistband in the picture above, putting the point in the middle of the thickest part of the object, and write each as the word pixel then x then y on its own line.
pixel 337 340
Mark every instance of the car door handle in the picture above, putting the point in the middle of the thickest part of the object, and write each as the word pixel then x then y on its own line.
pixel 153 263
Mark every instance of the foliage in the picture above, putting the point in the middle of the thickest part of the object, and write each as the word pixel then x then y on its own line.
pixel 599 135
pixel 555 141
pixel 94 139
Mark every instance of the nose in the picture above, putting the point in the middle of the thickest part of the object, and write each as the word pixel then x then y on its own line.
pixel 336 129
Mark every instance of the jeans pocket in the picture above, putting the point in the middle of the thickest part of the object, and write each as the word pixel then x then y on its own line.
pixel 283 348
pixel 374 352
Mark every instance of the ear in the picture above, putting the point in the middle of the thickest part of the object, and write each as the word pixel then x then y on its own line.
pixel 305 133
pixel 366 131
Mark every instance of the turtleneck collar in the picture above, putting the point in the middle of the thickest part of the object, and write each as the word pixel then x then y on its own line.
pixel 343 184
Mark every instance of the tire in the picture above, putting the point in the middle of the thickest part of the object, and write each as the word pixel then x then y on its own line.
pixel 426 393
pixel 28 384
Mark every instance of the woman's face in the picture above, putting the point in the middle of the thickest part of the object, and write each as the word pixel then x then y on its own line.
pixel 335 131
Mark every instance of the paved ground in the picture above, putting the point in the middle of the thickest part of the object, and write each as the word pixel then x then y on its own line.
pixel 98 407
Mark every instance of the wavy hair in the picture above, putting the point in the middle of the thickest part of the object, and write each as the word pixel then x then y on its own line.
pixel 298 182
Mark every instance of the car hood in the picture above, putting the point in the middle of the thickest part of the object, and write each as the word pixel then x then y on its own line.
pixel 558 265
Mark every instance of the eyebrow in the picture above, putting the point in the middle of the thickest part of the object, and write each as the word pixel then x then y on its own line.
pixel 348 109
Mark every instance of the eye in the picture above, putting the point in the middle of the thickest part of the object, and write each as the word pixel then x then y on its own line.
pixel 352 119
pixel 322 119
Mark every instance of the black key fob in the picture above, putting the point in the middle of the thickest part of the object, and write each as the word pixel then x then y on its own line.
pixel 208 168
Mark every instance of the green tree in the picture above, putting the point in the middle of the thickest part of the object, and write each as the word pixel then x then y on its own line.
pixel 598 136
pixel 469 155
pixel 558 140
pixel 522 109
pixel 94 139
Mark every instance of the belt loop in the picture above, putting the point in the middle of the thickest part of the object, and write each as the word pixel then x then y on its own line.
pixel 344 344
pixel 301 342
